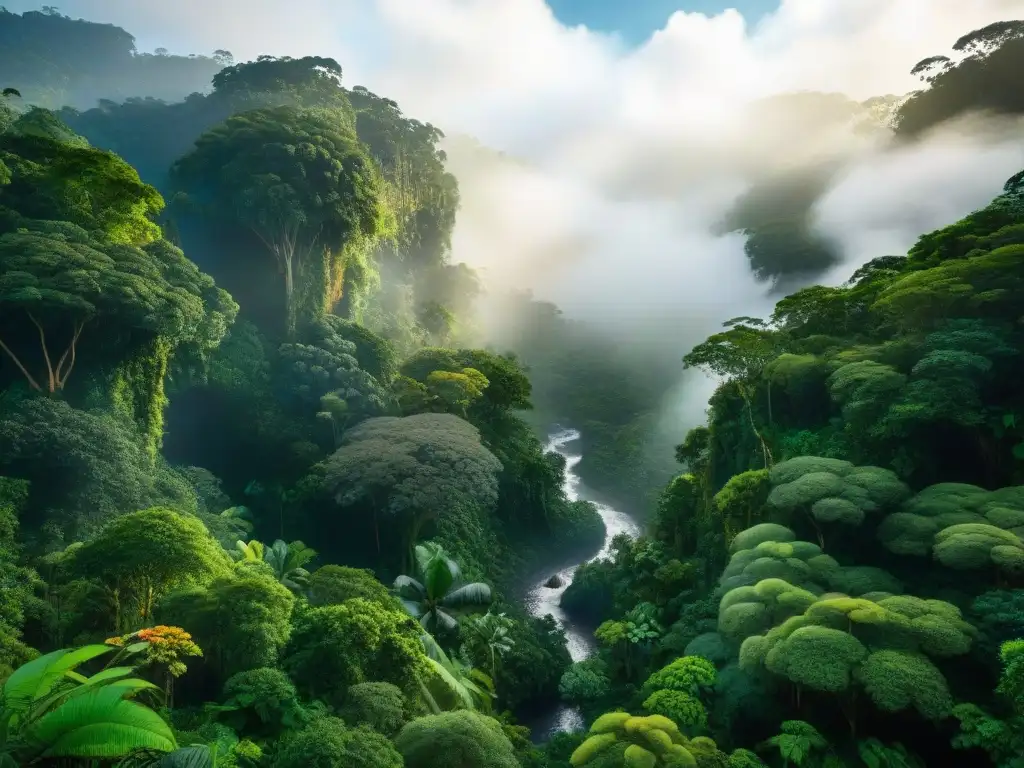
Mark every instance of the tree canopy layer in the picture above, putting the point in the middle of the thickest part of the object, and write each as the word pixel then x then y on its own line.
pixel 977 77
pixel 299 180
pixel 59 280
pixel 58 61
pixel 412 470
pixel 322 563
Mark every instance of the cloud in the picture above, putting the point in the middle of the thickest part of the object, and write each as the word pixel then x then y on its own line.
pixel 631 155
pixel 883 201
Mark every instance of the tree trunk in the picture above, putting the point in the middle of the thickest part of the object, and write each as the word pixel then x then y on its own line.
pixel 289 294
pixel 767 454
pixel 117 609
pixel 147 607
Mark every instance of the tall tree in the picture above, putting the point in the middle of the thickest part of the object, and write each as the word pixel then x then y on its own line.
pixel 300 181
pixel 412 469
pixel 56 281
pixel 979 76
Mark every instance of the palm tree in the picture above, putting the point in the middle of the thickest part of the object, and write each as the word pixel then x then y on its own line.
pixel 490 632
pixel 455 685
pixel 438 594
pixel 49 711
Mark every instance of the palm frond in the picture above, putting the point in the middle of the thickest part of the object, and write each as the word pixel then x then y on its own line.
pixel 438 577
pixel 453 684
pixel 413 607
pixel 437 618
pixel 408 587
pixel 473 594
pixel 109 676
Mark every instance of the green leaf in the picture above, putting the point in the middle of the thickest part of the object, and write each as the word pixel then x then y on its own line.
pixel 111 673
pixel 105 677
pixel 1018 451
pixel 407 587
pixel 34 680
pixel 99 724
pixel 438 577
pixel 192 756
pixel 453 684
pixel 467 595
pixel 440 618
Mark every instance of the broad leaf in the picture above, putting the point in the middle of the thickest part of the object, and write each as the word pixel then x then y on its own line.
pixel 99 724
pixel 438 577
pixel 408 587
pixel 413 607
pixel 36 679
pixel 192 756
pixel 453 684
pixel 468 595
pixel 105 677
pixel 438 618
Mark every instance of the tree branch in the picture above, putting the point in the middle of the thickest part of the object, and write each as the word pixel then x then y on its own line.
pixel 17 362
pixel 71 348
pixel 46 352
pixel 270 247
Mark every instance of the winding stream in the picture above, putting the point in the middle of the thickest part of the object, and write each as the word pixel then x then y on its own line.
pixel 541 600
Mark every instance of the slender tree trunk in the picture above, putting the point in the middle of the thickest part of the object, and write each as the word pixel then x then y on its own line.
pixel 818 532
pixel 56 376
pixel 28 376
pixel 117 609
pixel 169 689
pixel 147 605
pixel 767 454
pixel 289 295
pixel 428 699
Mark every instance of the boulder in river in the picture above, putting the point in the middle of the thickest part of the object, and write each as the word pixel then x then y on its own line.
pixel 554 582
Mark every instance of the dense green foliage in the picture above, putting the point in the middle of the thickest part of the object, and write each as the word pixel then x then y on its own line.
pixel 324 411
pixel 58 61
pixel 835 579
pixel 844 557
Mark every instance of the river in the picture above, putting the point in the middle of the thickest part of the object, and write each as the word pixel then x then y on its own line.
pixel 541 600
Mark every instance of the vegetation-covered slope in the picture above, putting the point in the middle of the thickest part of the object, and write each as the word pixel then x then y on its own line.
pixel 190 392
pixel 58 61
pixel 847 545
